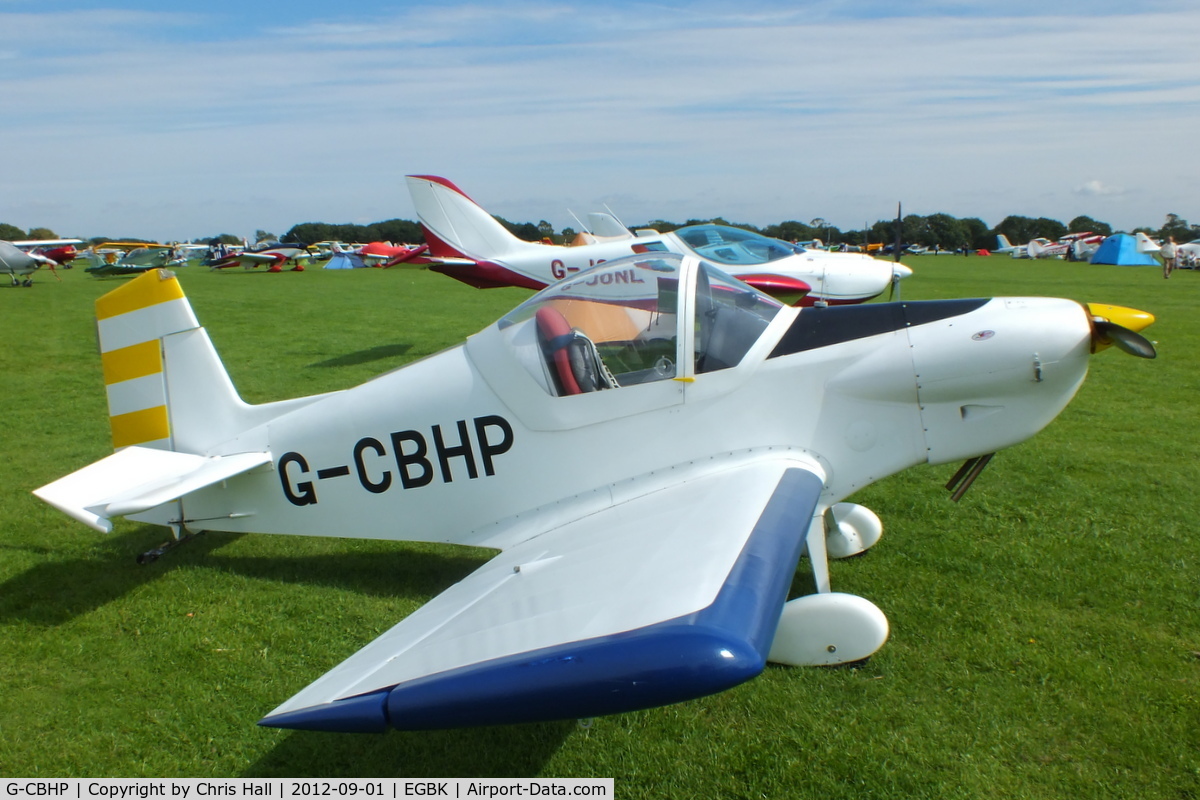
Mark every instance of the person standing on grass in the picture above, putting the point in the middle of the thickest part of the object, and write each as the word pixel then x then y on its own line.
pixel 1168 253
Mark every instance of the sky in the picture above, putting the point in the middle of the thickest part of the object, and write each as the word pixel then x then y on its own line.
pixel 175 121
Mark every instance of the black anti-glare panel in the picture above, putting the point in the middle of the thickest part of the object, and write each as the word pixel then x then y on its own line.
pixel 820 327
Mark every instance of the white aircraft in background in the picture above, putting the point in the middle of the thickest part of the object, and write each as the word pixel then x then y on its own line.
pixel 650 444
pixel 1005 246
pixel 1078 245
pixel 1081 246
pixel 1189 253
pixel 467 243
pixel 273 255
pixel 20 260
pixel 1145 244
pixel 1042 247
pixel 20 265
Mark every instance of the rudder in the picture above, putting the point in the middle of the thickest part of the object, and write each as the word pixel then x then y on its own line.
pixel 131 321
pixel 456 226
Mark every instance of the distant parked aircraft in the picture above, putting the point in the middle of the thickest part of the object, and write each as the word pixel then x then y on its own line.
pixel 467 243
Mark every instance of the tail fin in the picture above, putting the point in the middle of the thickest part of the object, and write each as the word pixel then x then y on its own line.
pixel 1002 240
pixel 173 411
pixel 131 321
pixel 167 388
pixel 458 227
pixel 1145 244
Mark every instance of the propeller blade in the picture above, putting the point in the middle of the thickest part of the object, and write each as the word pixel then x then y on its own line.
pixel 1131 342
pixel 1118 325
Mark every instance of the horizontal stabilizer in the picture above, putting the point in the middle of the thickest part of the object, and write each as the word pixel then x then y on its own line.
pixel 137 479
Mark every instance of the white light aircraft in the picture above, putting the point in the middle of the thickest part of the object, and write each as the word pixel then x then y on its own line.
pixel 1082 246
pixel 650 444
pixel 467 243
pixel 1189 254
pixel 1036 248
pixel 20 265
pixel 1044 248
pixel 19 260
pixel 273 255
pixel 1005 246
pixel 1078 245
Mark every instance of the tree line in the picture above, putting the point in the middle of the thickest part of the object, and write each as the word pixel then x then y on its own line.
pixel 933 230
pixel 942 230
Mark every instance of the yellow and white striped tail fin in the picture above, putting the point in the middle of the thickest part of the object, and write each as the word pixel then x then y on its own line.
pixel 178 424
pixel 132 321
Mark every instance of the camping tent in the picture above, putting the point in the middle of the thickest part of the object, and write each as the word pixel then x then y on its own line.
pixel 1122 249
pixel 344 260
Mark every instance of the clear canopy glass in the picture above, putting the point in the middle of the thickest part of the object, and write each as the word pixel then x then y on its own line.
pixel 722 244
pixel 619 324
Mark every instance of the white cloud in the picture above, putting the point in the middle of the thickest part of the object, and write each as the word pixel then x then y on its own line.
pixel 1094 187
pixel 758 113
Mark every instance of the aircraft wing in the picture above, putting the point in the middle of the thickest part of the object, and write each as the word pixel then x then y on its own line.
pixel 27 243
pixel 256 258
pixel 666 596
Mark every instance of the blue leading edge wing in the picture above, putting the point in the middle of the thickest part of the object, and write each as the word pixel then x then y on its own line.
pixel 668 596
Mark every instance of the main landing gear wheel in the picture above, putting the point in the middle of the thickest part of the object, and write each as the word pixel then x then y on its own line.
pixel 850 529
pixel 832 628
pixel 828 629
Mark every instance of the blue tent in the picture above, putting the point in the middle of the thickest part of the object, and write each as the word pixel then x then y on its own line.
pixel 1121 249
pixel 345 261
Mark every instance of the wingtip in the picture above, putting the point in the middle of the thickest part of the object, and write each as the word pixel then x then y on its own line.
pixel 362 714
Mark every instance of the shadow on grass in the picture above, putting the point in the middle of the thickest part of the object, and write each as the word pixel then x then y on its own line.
pixel 509 751
pixel 57 591
pixel 377 353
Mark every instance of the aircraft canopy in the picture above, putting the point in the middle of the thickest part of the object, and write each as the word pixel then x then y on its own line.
pixel 725 245
pixel 622 323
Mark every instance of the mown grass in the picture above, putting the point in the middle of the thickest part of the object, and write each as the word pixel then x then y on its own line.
pixel 1045 630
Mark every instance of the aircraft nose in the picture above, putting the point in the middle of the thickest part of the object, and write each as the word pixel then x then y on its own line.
pixel 901 271
pixel 1119 325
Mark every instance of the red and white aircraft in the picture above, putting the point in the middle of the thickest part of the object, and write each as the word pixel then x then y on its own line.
pixel 379 254
pixel 1078 245
pixel 1082 245
pixel 272 255
pixel 60 251
pixel 467 243
pixel 1044 248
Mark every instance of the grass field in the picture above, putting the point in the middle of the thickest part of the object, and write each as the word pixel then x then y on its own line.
pixel 1045 631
